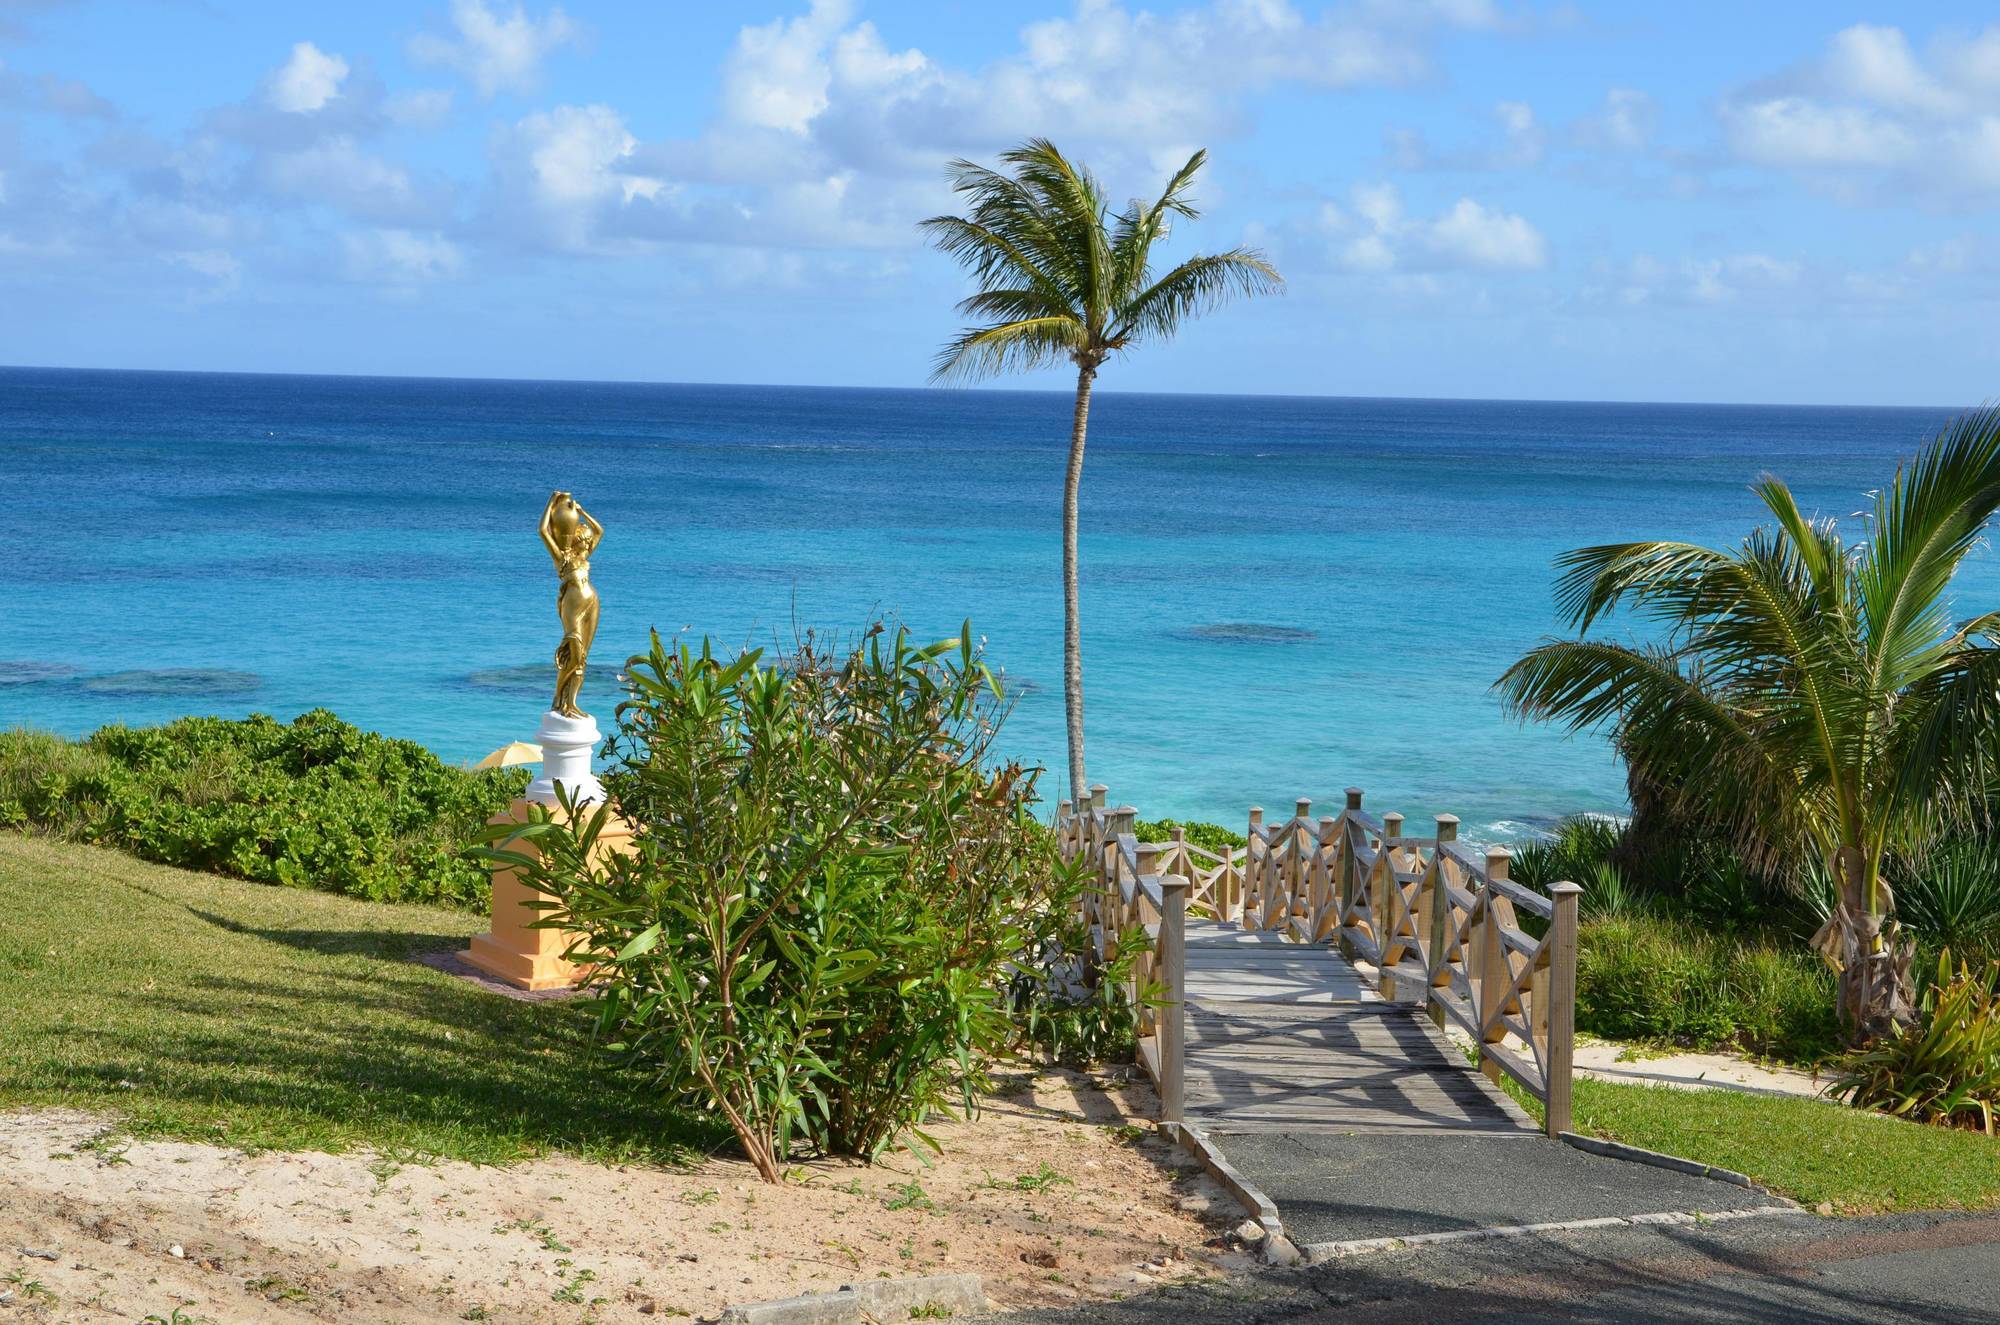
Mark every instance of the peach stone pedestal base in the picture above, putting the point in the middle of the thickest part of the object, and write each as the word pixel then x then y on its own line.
pixel 524 957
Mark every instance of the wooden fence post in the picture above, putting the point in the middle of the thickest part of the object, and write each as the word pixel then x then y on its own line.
pixel 1562 1008
pixel 1147 862
pixel 1326 892
pixel 1117 823
pixel 1298 877
pixel 1170 1027
pixel 1253 875
pixel 1441 928
pixel 1495 972
pixel 1380 886
pixel 1348 881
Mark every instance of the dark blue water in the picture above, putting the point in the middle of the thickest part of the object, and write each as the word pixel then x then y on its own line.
pixel 369 545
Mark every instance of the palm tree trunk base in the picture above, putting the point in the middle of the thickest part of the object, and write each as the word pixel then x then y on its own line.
pixel 1877 996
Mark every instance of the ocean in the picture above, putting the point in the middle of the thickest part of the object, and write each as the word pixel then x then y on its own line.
pixel 1282 596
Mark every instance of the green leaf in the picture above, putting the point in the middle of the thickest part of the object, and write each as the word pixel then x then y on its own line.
pixel 641 943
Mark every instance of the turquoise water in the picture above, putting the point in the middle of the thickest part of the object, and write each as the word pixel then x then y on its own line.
pixel 1282 596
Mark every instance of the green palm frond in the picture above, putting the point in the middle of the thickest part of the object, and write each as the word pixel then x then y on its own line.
pixel 1951 756
pixel 1814 693
pixel 1007 347
pixel 1141 226
pixel 994 260
pixel 1042 247
pixel 1676 727
pixel 1194 287
pixel 1925 523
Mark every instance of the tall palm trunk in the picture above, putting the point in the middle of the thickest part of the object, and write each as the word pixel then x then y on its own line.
pixel 1072 615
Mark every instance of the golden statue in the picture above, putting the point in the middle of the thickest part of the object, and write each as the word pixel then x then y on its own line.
pixel 571 536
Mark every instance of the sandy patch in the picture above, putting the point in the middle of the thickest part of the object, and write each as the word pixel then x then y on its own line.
pixel 1608 1060
pixel 1055 1194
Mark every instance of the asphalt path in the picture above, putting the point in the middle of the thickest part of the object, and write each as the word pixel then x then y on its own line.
pixel 1779 1269
pixel 1333 1187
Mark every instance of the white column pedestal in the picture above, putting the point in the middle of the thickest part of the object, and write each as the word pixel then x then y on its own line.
pixel 567 746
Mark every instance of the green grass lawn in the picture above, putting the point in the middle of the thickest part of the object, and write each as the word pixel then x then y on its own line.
pixel 1814 1151
pixel 250 1015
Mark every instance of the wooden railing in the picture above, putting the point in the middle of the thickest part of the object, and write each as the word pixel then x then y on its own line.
pixel 1134 899
pixel 1440 924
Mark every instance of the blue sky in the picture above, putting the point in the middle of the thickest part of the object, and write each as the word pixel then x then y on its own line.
pixel 1772 202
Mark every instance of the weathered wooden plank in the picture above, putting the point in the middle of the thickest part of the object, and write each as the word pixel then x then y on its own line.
pixel 1289 1036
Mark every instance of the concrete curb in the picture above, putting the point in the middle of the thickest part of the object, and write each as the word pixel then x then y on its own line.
pixel 1317 1252
pixel 1591 1145
pixel 877 1300
pixel 1277 1249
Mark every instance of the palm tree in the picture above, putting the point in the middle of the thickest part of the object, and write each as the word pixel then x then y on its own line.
pixel 1062 277
pixel 1812 695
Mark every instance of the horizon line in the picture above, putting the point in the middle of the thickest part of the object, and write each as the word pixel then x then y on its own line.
pixel 957 390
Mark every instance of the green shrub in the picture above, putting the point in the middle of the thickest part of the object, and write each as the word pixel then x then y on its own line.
pixel 1074 1015
pixel 1573 853
pixel 1211 837
pixel 1669 981
pixel 829 895
pixel 1950 895
pixel 1945 1069
pixel 313 803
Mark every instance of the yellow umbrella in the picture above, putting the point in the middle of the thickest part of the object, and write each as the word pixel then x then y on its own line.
pixel 514 752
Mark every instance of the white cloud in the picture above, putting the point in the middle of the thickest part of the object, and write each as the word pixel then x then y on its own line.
pixel 777 75
pixel 1522 143
pixel 339 173
pixel 212 263
pixel 307 81
pixel 1481 238
pixel 1797 131
pixel 1524 134
pixel 1626 123
pixel 575 152
pixel 1705 281
pixel 53 95
pixel 828 134
pixel 1876 64
pixel 1871 120
pixel 1375 234
pixel 499 51
pixel 221 271
pixel 424 108
pixel 399 257
pixel 571 165
pixel 1107 74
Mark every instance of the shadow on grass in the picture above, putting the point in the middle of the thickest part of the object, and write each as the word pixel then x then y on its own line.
pixel 333 1038
pixel 405 1060
pixel 389 945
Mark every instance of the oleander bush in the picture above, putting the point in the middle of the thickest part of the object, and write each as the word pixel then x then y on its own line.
pixel 312 803
pixel 824 929
pixel 1946 1068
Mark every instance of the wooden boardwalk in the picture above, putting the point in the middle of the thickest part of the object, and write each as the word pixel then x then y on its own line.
pixel 1254 1017
pixel 1284 1036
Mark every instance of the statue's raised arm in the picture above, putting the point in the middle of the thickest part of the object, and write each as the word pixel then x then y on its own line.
pixel 551 514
